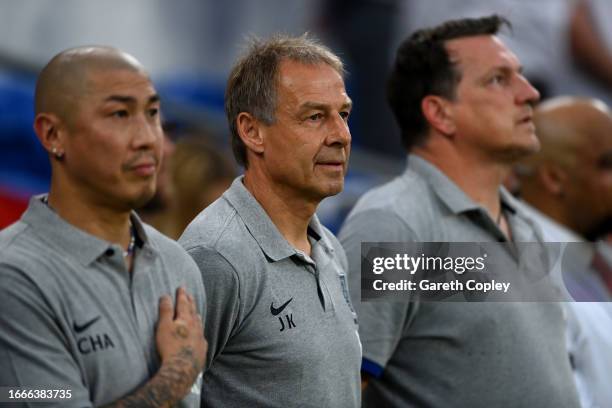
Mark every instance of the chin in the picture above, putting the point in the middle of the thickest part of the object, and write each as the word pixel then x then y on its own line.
pixel 535 144
pixel 321 188
pixel 531 144
pixel 334 189
pixel 520 151
pixel 141 199
pixel 528 150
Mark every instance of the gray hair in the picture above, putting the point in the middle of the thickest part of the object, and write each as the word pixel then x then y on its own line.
pixel 252 83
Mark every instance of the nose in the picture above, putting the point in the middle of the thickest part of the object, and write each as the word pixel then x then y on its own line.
pixel 526 93
pixel 147 134
pixel 339 133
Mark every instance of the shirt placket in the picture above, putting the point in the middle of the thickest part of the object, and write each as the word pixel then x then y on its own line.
pixel 129 289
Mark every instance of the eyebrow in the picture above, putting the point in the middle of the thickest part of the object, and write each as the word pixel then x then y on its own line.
pixel 322 106
pixel 507 68
pixel 130 99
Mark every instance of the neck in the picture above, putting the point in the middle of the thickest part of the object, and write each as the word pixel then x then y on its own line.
pixel 478 179
pixel 78 209
pixel 289 212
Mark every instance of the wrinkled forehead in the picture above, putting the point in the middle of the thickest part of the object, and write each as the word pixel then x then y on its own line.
pixel 310 82
pixel 293 72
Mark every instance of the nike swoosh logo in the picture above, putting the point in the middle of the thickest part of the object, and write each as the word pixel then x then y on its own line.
pixel 79 328
pixel 276 311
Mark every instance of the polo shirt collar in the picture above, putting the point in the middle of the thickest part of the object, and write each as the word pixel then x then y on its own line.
pixel 261 227
pixel 84 247
pixel 316 231
pixel 523 229
pixel 450 194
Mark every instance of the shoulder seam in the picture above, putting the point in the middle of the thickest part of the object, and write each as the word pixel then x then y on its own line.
pixel 223 229
pixel 392 214
pixel 25 227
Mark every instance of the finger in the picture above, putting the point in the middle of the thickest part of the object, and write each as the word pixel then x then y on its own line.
pixel 182 304
pixel 201 323
pixel 198 321
pixel 166 311
pixel 192 304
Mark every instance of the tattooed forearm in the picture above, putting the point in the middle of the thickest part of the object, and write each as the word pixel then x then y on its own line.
pixel 171 383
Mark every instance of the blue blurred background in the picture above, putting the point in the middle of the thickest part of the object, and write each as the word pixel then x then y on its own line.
pixel 188 46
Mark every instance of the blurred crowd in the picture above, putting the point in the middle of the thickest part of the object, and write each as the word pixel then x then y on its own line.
pixel 564 46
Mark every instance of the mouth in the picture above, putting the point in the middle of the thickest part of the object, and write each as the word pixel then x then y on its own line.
pixel 145 169
pixel 332 165
pixel 526 118
pixel 526 123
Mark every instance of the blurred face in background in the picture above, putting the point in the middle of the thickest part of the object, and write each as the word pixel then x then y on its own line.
pixel 588 185
pixel 165 188
pixel 200 173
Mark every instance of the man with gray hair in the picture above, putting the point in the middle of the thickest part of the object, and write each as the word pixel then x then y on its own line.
pixel 283 331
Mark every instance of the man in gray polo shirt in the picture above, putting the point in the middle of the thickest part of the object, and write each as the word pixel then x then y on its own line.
pixel 281 329
pixel 96 307
pixel 465 111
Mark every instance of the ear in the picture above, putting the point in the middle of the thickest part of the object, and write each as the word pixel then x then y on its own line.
pixel 438 113
pixel 553 178
pixel 47 128
pixel 250 132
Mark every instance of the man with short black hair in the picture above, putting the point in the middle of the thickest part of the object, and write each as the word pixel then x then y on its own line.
pixel 284 330
pixel 94 303
pixel 465 110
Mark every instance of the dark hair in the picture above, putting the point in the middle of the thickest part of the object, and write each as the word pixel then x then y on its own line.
pixel 422 67
pixel 251 86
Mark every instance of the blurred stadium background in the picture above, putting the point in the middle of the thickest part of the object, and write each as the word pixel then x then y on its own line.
pixel 188 46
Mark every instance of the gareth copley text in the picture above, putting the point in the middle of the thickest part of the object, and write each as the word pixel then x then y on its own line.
pixel 453 286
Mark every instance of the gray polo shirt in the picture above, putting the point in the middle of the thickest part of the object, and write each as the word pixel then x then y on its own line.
pixel 74 318
pixel 281 331
pixel 452 354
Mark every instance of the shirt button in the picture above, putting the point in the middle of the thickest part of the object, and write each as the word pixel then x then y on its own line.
pixel 109 252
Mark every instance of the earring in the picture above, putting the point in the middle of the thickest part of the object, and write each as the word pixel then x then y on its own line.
pixel 58 155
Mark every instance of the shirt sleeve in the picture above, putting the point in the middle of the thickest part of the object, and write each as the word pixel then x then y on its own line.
pixel 33 347
pixel 222 298
pixel 381 323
